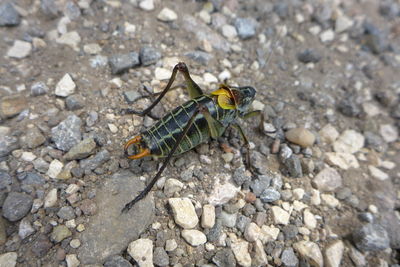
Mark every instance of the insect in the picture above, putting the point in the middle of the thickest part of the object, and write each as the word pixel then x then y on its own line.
pixel 203 117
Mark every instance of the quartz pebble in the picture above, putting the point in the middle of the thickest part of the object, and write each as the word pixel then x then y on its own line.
pixel 194 237
pixel 20 49
pixel 167 15
pixel 208 216
pixel 141 251
pixel 51 198
pixel 334 254
pixel 310 251
pixel 327 180
pixel 241 252
pixel 279 215
pixel 184 213
pixel 65 86
pixel 8 259
pixel 349 141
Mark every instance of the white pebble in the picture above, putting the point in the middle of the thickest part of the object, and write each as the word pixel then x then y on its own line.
pixel 20 49
pixel 65 86
pixel 167 15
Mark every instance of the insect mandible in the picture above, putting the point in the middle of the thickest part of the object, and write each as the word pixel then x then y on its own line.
pixel 203 117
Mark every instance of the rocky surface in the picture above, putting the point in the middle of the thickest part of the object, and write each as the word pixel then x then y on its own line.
pixel 323 187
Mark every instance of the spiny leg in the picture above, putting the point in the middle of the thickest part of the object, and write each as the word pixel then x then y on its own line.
pixel 142 194
pixel 246 143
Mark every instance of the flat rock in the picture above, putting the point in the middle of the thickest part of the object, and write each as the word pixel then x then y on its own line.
pixel 279 215
pixel 310 252
pixel 327 180
pixel 241 252
pixel 371 237
pixel 71 39
pixel 20 49
pixel 95 161
pixel 167 15
pixel 329 133
pixel 67 133
pixel 12 105
pixel 334 254
pixel 194 237
pixel 8 15
pixel 65 86
pixel 59 233
pixel 349 141
pixel 184 212
pixel 141 251
pixel 342 160
pixel 112 225
pixel 81 150
pixel 16 206
pixel 120 63
pixel 8 259
pixel 301 137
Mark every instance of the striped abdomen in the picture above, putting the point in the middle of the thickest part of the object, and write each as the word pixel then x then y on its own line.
pixel 161 137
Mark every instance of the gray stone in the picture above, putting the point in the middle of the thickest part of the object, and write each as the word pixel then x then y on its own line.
pixel 349 107
pixel 149 55
pixel 327 180
pixel 25 229
pixel 74 102
pixel 260 184
pixel 240 176
pixel 98 61
pixel 199 56
pixel 39 88
pixel 245 27
pixel 59 233
pixel 374 38
pixel 96 160
pixel 8 15
pixel 67 133
pixel 41 245
pixel 242 222
pixel 131 96
pixel 224 258
pixel 122 62
pixel 375 142
pixel 72 10
pixel 33 138
pixel 5 180
pixel 31 178
pixel 49 8
pixel 7 144
pixel 117 261
pixel 371 237
pixel 160 257
pixel 228 220
pixel 92 118
pixel 289 258
pixel 109 224
pixel 81 150
pixel 293 165
pixel 215 231
pixel 66 213
pixel 290 231
pixel 270 195
pixel 16 206
pixel 309 56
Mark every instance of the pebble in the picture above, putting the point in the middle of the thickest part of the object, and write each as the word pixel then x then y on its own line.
pixel 228 219
pixel 113 128
pixel 342 160
pixel 20 49
pixel 141 250
pixel 98 61
pixel 75 243
pixel 327 179
pixel 245 27
pixel 71 39
pixel 120 63
pixel 389 132
pixel 327 36
pixel 289 258
pixel 222 193
pixel 279 215
pixel 309 56
pixel 149 55
pixel 310 251
pixel 117 261
pixel 200 57
pixel 298 193
pixel 194 237
pixel 309 219
pixel 170 245
pixel 51 198
pixel 66 213
pixel 229 31
pixel 92 49
pixel 28 156
pixel 88 207
pixel 5 180
pixel 8 15
pixel 72 260
pixel 39 88
pixel 270 195
pixel 184 212
pixel 301 137
pixel 343 23
pixel 160 257
pixel 349 141
pixel 167 15
pixel 208 216
pixel 55 168
pixel 329 200
pixel 59 233
pixel 334 254
pixel 357 257
pixel 371 237
pixel 241 252
pixel 81 150
pixel 8 259
pixel 377 173
pixel 147 5
pixel 25 229
pixel 33 138
pixel 12 105
pixel 224 258
pixel 172 186
pixel 162 74
pixel 260 257
pixel 74 102
pixel 293 166
pixel 65 86
pixel 16 206
pixel 95 161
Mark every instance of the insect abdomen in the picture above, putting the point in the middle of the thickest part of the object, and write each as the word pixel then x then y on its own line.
pixel 162 136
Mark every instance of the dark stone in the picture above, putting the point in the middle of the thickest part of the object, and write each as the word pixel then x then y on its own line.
pixel 131 96
pixel 348 107
pixel 281 9
pixel 122 62
pixel 199 56
pixel 66 213
pixel 149 55
pixel 95 161
pixel 214 233
pixel 41 246
pixel 289 258
pixel 8 15
pixel 117 261
pixel 290 231
pixel 49 8
pixel 375 142
pixel 8 144
pixel 31 178
pixel 270 195
pixel 240 176
pixel 67 133
pixel 16 206
pixel 5 180
pixel 74 102
pixel 366 217
pixel 293 165
pixel 309 55
pixel 224 258
pixel 260 184
pixel 389 9
pixel 371 237
pixel 39 88
pixel 160 257
pixel 249 210
pixel 374 39
pixel 245 27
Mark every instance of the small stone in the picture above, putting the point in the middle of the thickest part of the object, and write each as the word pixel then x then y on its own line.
pixel 8 259
pixel 172 186
pixel 117 261
pixel 65 86
pixel 170 245
pixel 310 252
pixel 67 133
pixel 377 173
pixel 280 216
pixel 293 166
pixel 328 133
pixel 71 39
pixel 8 15
pixel 260 257
pixel 16 206
pixel 229 31
pixel 334 254
pixel 51 198
pixel 270 195
pixel 72 260
pixel 342 160
pixel 33 138
pixel 327 36
pixel 343 23
pixel 228 219
pixel 28 156
pixel 149 55
pixel 88 207
pixel 199 56
pixel 349 141
pixel 327 180
pixel 141 251
pixel 298 193
pixel 289 258
pixel 98 61
pixel 147 5
pixel 12 105
pixel 74 102
pixel 131 96
pixel 246 27
pixel 290 231
pixel 20 49
pixel 371 237
pixel 5 180
pixel 75 243
pixel 309 219
pixel 389 132
pixel 122 62
pixel 55 168
pixel 309 56
pixel 194 237
pixel 357 257
pixel 66 213
pixel 241 252
pixel 81 150
pixel 162 74
pixel 39 88
pixel 184 212
pixel 92 49
pixel 208 216
pixel 224 258
pixel 160 257
pixel 252 232
pixel 41 245
pixel 25 229
pixel 167 15
pixel 222 193
pixel 59 233
pixel 329 200
pixel 95 161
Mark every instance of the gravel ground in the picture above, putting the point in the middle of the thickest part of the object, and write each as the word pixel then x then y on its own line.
pixel 325 185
